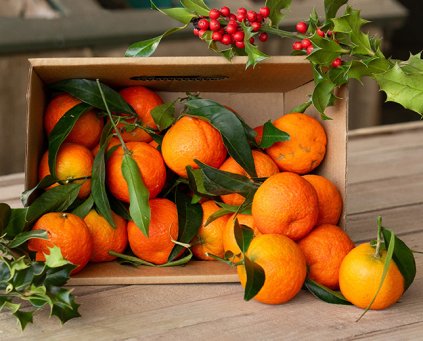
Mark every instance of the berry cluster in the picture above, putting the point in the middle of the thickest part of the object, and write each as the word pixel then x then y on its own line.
pixel 226 26
pixel 306 45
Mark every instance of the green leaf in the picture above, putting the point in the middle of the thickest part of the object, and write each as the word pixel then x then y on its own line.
pixel 414 64
pixel 135 261
pixel 25 236
pixel 350 23
pixel 88 92
pixel 5 213
pixel 255 56
pixel 83 209
pixel 147 47
pixel 55 258
pixel 17 222
pixel 276 7
pixel 325 294
pixel 180 14
pixel 163 115
pixel 229 126
pixel 139 207
pixel 57 199
pixel 243 235
pixel 61 130
pixel 44 183
pixel 64 312
pixel 58 276
pixel 403 258
pixel 403 88
pixel 271 135
pixel 322 96
pixel 255 279
pixel 119 208
pixel 190 217
pixel 302 107
pixel 332 7
pixel 197 6
pixel 325 50
pixel 23 317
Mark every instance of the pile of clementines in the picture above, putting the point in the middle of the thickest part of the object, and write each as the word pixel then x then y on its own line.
pixel 294 213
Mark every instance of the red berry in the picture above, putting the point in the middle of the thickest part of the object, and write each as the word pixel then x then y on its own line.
pixel 225 11
pixel 259 18
pixel 320 32
pixel 201 33
pixel 238 36
pixel 240 44
pixel 214 25
pixel 265 11
pixel 310 49
pixel 251 16
pixel 252 40
pixel 217 36
pixel 242 11
pixel 226 39
pixel 329 33
pixel 231 29
pixel 297 46
pixel 203 24
pixel 256 26
pixel 301 27
pixel 337 62
pixel 232 17
pixel 240 17
pixel 263 36
pixel 195 31
pixel 305 43
pixel 214 13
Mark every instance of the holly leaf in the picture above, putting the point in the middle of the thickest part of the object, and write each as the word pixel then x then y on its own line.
pixel 413 65
pixel 54 258
pixel 197 6
pixel 323 96
pixel 276 7
pixel 271 135
pixel 403 88
pixel 325 294
pixel 255 278
pixel 23 317
pixel 255 56
pixel 5 212
pixel 325 50
pixel 332 7
pixel 163 115
pixel 303 106
pixel 183 15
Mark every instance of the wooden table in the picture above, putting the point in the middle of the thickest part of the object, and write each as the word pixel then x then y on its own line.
pixel 385 174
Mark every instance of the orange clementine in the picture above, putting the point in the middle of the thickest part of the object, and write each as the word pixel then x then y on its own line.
pixel 73 162
pixel 66 231
pixel 142 100
pixel 330 200
pixel 87 129
pixel 359 278
pixel 265 167
pixel 106 238
pixel 150 164
pixel 306 147
pixel 285 204
pixel 229 240
pixel 324 249
pixel 284 267
pixel 163 228
pixel 259 131
pixel 189 139
pixel 114 141
pixel 209 238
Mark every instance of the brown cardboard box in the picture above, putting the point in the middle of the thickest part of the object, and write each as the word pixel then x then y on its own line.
pixel 260 94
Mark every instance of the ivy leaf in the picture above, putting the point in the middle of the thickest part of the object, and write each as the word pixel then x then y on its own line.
pixel 271 135
pixel 403 258
pixel 88 92
pixel 83 209
pixel 44 183
pixel 197 6
pixel 350 23
pixel 147 47
pixel 61 130
pixel 323 96
pixel 229 126
pixel 325 294
pixel 183 15
pixel 255 278
pixel 139 207
pixel 5 212
pixel 163 115
pixel 190 217
pixel 332 7
pixel 243 235
pixel 25 236
pixel 276 7
pixel 403 88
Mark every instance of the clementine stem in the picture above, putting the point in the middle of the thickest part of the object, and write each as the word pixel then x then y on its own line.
pixel 379 237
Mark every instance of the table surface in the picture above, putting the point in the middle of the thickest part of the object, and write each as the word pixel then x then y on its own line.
pixel 385 177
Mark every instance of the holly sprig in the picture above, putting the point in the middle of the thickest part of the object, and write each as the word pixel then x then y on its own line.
pixel 336 47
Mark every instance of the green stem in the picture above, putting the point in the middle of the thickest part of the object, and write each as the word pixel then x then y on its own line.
pixel 282 33
pixel 379 237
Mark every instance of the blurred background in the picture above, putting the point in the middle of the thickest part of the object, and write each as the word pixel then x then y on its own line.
pixel 103 28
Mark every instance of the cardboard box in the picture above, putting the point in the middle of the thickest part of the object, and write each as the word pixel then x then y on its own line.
pixel 260 94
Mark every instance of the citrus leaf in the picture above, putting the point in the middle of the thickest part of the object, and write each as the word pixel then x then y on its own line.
pixel 229 126
pixel 276 7
pixel 271 135
pixel 119 208
pixel 196 180
pixel 5 212
pixel 83 209
pixel 180 14
pixel 139 207
pixel 197 6
pixel 61 130
pixel 47 181
pixel 135 261
pixel 17 222
pixel 25 236
pixel 332 7
pixel 302 107
pixel 23 317
pixel 255 279
pixel 325 294
pixel 403 88
pixel 403 258
pixel 163 115
pixel 190 217
pixel 243 235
